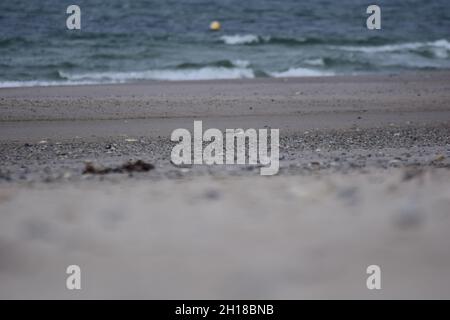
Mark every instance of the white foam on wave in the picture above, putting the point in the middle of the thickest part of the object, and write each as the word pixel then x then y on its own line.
pixel 240 39
pixel 42 83
pixel 241 63
pixel 315 62
pixel 301 72
pixel 438 47
pixel 206 73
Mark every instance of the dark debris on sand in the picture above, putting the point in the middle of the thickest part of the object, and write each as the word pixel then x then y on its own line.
pixel 128 167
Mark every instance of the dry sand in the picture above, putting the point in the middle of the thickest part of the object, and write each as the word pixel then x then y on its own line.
pixel 364 180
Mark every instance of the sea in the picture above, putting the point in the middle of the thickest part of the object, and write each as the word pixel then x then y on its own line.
pixel 124 41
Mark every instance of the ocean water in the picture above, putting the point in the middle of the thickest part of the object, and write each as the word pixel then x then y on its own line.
pixel 137 40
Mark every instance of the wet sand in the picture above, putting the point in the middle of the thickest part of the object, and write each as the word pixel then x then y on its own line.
pixel 156 108
pixel 364 171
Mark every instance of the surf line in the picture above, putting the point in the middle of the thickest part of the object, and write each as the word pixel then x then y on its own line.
pixel 236 141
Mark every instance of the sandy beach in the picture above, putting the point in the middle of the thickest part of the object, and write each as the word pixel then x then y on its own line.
pixel 364 179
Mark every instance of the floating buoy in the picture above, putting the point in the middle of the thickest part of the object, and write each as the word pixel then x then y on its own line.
pixel 214 26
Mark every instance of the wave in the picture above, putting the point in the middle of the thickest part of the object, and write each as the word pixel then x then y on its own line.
pixel 42 83
pixel 205 73
pixel 301 72
pixel 315 62
pixel 439 48
pixel 219 63
pixel 240 39
pixel 251 39
pixel 124 77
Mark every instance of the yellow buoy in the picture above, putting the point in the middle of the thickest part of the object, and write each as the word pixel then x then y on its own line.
pixel 214 26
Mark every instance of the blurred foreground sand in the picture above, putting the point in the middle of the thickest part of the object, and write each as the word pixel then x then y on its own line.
pixel 234 237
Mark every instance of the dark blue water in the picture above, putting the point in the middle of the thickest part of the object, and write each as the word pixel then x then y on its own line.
pixel 132 40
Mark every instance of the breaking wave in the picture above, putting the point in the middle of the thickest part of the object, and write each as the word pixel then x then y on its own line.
pixel 206 73
pixel 439 48
pixel 240 39
pixel 251 39
pixel 300 72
